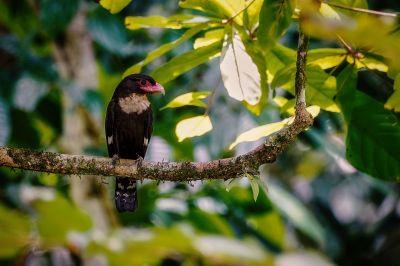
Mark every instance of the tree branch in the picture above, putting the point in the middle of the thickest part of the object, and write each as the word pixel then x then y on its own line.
pixel 173 171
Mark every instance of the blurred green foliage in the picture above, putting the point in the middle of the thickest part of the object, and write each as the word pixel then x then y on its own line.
pixel 311 204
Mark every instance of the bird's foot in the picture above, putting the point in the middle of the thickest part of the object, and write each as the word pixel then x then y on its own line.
pixel 115 159
pixel 139 161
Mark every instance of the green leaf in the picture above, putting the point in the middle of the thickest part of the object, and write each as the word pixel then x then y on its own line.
pixel 191 98
pixel 192 127
pixel 184 62
pixel 58 217
pixel 296 213
pixel 274 232
pixel 164 49
pixel 173 22
pixel 326 57
pixel 14 233
pixel 373 133
pixel 239 73
pixel 254 185
pixel 278 58
pixel 114 6
pixel 393 103
pixel 209 222
pixel 275 18
pixel 321 87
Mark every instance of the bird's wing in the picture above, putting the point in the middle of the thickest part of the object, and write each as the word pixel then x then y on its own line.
pixel 148 130
pixel 111 137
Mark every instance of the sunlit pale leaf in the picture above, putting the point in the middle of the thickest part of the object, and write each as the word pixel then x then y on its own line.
pixel 192 127
pixel 393 103
pixel 114 6
pixel 163 49
pixel 209 37
pixel 275 18
pixel 296 213
pixel 373 133
pixel 173 22
pixel 184 62
pixel 266 130
pixel 239 73
pixel 191 98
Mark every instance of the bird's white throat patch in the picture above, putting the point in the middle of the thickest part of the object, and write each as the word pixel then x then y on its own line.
pixel 134 103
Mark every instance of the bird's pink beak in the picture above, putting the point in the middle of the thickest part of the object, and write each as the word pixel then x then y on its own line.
pixel 158 88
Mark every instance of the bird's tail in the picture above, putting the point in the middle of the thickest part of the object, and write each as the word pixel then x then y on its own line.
pixel 125 194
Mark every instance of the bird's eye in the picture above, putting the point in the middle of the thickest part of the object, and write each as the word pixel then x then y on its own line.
pixel 143 82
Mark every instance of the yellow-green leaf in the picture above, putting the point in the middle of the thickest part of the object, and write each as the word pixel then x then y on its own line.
pixel 393 103
pixel 191 98
pixel 114 6
pixel 192 127
pixel 326 57
pixel 258 132
pixel 209 38
pixel 173 22
pixel 266 130
pixel 328 12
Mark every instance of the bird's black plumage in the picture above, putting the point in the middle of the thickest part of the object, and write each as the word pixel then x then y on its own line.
pixel 129 125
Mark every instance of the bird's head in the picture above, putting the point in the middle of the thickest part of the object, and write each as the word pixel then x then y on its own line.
pixel 141 84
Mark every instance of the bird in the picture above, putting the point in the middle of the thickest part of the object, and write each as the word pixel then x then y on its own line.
pixel 128 126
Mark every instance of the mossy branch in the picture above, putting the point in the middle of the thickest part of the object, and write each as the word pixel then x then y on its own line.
pixel 173 171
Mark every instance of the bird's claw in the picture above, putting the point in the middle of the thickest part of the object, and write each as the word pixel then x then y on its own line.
pixel 139 161
pixel 115 159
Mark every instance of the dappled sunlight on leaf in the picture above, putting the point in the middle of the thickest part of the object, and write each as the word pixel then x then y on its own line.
pixel 192 127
